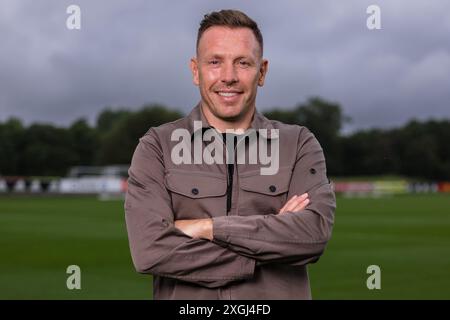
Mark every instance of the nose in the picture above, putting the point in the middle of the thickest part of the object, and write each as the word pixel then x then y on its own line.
pixel 229 74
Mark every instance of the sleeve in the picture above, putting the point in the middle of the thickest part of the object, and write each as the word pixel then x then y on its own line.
pixel 295 238
pixel 156 246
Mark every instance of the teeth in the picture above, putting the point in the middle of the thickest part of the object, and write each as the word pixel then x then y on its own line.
pixel 227 94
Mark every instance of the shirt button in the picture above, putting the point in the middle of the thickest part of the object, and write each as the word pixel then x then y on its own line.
pixel 272 188
pixel 194 191
pixel 312 170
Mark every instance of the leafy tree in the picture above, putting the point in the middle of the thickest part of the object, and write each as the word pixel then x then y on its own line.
pixel 84 141
pixel 11 140
pixel 324 119
pixel 368 152
pixel 47 150
pixel 108 118
pixel 119 143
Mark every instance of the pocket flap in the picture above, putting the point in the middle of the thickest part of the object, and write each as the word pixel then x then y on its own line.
pixel 270 185
pixel 196 185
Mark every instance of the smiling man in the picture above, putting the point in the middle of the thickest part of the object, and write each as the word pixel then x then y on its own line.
pixel 228 70
pixel 222 229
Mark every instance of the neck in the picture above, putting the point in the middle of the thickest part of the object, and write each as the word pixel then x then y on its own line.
pixel 243 123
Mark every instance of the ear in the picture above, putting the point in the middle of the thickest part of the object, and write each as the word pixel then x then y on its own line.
pixel 194 70
pixel 263 71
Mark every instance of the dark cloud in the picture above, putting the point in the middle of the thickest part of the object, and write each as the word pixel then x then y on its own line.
pixel 128 54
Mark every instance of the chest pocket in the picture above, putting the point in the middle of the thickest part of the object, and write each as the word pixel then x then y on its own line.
pixel 263 194
pixel 196 195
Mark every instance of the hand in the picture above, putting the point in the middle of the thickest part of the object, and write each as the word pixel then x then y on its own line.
pixel 296 203
pixel 196 228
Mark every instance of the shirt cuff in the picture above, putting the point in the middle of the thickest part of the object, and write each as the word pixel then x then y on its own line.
pixel 220 227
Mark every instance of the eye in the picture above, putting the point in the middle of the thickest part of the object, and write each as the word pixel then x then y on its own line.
pixel 244 63
pixel 213 62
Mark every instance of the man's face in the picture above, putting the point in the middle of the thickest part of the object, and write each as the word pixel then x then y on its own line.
pixel 228 70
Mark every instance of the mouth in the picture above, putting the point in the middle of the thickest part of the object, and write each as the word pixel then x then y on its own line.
pixel 229 95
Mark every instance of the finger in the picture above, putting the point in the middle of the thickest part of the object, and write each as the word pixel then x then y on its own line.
pixel 287 203
pixel 301 205
pixel 294 201
pixel 292 206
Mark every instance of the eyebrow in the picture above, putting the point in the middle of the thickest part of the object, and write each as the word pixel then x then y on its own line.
pixel 218 56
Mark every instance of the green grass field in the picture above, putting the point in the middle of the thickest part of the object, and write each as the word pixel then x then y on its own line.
pixel 407 236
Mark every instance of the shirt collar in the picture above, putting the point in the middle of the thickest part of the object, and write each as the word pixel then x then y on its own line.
pixel 260 123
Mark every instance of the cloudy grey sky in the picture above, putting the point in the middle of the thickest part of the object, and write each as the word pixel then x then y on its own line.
pixel 129 53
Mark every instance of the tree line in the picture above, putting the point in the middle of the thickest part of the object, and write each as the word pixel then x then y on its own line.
pixel 419 149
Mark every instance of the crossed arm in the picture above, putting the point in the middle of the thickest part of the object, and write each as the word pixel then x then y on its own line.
pixel 203 228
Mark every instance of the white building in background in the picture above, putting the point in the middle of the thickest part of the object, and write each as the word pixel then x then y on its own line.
pixel 100 180
pixel 95 171
pixel 19 186
pixel 106 181
pixel 3 187
pixel 35 186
